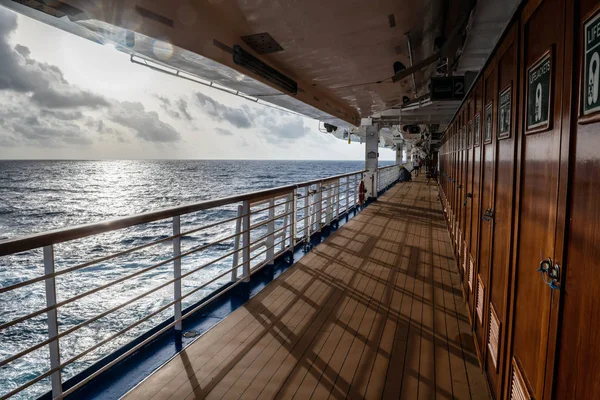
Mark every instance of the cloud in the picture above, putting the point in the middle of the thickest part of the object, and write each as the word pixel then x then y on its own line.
pixel 20 73
pixel 22 128
pixel 183 108
pixel 178 109
pixel 224 132
pixel 275 126
pixel 237 117
pixel 38 107
pixel 146 124
pixel 63 115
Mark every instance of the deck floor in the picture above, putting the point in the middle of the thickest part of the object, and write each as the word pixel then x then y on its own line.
pixel 375 311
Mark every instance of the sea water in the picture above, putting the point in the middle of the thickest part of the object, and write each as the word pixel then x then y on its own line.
pixel 38 196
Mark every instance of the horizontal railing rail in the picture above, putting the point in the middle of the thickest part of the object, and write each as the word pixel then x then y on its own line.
pixel 387 175
pixel 212 245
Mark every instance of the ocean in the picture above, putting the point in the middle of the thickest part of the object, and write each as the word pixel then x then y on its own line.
pixel 37 196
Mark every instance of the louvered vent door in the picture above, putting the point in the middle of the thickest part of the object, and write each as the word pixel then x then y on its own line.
pixel 518 389
pixel 494 336
pixel 471 273
pixel 480 292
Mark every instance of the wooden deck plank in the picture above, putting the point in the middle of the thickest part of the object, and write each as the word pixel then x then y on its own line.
pixel 373 312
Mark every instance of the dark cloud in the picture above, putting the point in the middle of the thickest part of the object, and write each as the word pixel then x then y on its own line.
pixel 145 124
pixel 224 132
pixel 39 130
pixel 68 99
pixel 63 115
pixel 177 109
pixel 20 73
pixel 275 126
pixel 38 107
pixel 238 117
pixel 182 106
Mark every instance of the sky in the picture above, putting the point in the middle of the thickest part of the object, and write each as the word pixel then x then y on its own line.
pixel 64 97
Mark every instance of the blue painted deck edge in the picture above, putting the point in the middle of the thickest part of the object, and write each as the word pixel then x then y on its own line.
pixel 126 374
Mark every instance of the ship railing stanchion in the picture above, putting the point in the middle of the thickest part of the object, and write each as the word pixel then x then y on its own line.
pixel 52 320
pixel 347 195
pixel 271 232
pixel 318 201
pixel 308 214
pixel 294 200
pixel 246 240
pixel 286 220
pixel 177 270
pixel 337 198
pixel 236 244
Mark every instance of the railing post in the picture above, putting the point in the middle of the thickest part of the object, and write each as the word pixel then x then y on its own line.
pixel 52 320
pixel 177 270
pixel 347 195
pixel 337 197
pixel 236 244
pixel 357 179
pixel 308 214
pixel 286 220
pixel 318 207
pixel 246 240
pixel 271 232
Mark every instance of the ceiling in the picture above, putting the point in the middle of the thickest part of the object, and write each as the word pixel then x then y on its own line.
pixel 341 53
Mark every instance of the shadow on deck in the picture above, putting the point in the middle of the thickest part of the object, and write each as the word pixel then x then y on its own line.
pixel 375 311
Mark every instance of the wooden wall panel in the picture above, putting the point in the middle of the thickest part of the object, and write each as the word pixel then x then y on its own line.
pixel 487 185
pixel 542 31
pixel 578 372
pixel 504 185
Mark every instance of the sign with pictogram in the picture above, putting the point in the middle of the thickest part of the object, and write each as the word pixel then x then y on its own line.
pixel 504 114
pixel 488 124
pixel 591 65
pixel 539 92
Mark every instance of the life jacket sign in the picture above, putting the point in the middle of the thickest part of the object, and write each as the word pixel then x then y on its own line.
pixel 477 136
pixel 539 92
pixel 591 72
pixel 504 114
pixel 488 124
pixel 469 134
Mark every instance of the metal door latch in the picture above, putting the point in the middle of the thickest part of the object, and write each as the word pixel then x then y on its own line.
pixel 548 267
pixel 488 215
pixel 469 195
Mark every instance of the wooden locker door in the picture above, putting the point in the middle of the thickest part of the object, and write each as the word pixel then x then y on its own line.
pixel 505 154
pixel 460 186
pixel 578 374
pixel 463 182
pixel 476 191
pixel 486 219
pixel 467 199
pixel 533 333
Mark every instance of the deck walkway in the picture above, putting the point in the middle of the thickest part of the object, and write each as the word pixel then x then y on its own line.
pixel 375 311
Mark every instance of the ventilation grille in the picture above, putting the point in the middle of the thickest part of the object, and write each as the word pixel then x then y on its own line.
pixel 144 12
pixel 494 336
pixel 480 291
pixel 262 43
pixel 518 390
pixel 56 8
pixel 471 273
pixel 465 258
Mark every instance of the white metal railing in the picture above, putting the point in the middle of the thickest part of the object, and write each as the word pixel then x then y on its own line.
pixel 387 175
pixel 152 280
